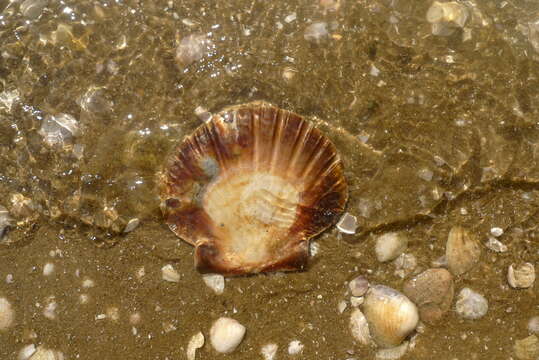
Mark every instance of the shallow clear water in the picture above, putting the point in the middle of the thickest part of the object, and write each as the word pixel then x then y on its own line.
pixel 436 123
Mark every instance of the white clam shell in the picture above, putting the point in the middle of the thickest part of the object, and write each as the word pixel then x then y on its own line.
pixel 390 314
pixel 226 334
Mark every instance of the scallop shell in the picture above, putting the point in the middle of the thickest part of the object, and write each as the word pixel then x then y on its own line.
pixel 390 314
pixel 250 187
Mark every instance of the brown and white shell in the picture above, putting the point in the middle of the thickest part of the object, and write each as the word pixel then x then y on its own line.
pixel 250 187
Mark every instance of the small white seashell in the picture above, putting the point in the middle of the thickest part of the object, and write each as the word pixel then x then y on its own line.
pixel 393 353
pixel 360 327
pixel 26 352
pixel 48 269
pixel 43 353
pixel 216 282
pixel 471 305
pixel 533 325
pixel 170 274
pixel 295 347
pixel 226 334
pixel 269 351
pixel 196 342
pixel 462 250
pixel 521 277
pixel 347 224
pixel 131 225
pixel 390 314
pixel 496 231
pixel 390 245
pixel 7 314
pixel 495 245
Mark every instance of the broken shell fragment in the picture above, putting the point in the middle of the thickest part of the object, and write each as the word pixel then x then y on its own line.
pixel 250 187
pixel 347 224
pixel 43 353
pixel 196 342
pixel 359 327
pixel 462 250
pixel 522 276
pixel 7 314
pixel 226 334
pixel 391 315
pixel 389 246
pixel 432 291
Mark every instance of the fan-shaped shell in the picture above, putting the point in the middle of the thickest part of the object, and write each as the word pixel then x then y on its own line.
pixel 250 187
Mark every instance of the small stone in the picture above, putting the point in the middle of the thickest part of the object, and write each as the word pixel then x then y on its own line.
pixel 226 334
pixel 170 274
pixel 425 174
pixel 392 353
pixel 462 250
pixel 7 314
pixel 295 347
pixel 203 114
pixel 432 291
pixel 88 283
pixel 389 246
pixel 533 325
pixel 359 327
pixel 471 305
pixel 216 282
pixel 316 32
pixel 358 286
pixel 196 342
pixel 527 348
pixel 269 351
pixel 445 17
pixel 521 277
pixel 495 245
pixel 347 224
pixel 496 231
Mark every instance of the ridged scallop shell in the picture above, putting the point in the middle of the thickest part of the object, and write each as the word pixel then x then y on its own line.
pixel 390 314
pixel 250 187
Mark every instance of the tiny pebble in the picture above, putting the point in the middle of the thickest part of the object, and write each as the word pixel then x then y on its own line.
pixel 131 225
pixel 495 245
